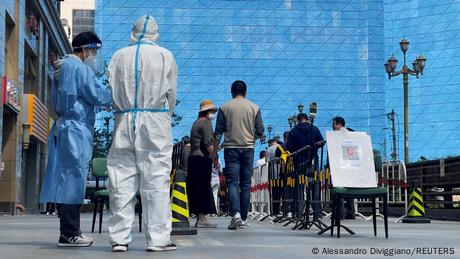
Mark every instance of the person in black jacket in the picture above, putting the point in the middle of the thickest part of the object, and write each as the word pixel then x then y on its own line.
pixel 302 135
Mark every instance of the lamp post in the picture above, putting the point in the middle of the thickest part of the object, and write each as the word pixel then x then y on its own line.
pixel 417 68
pixel 300 107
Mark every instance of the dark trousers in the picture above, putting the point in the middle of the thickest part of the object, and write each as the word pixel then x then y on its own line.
pixel 69 217
pixel 315 194
pixel 238 172
pixel 50 207
pixel 201 198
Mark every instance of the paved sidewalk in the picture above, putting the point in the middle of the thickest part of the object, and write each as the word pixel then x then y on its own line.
pixel 35 236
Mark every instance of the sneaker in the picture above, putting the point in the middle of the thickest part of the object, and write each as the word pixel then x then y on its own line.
pixel 244 224
pixel 76 241
pixel 235 222
pixel 119 248
pixel 168 247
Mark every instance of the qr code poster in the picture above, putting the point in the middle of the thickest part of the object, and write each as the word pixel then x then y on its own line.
pixel 351 159
pixel 351 151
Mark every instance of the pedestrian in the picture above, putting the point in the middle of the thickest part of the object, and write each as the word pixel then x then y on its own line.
pixel 302 135
pixel 75 93
pixel 240 121
pixel 201 201
pixel 262 158
pixel 143 77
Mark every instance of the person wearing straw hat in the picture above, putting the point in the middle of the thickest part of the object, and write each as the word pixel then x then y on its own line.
pixel 201 200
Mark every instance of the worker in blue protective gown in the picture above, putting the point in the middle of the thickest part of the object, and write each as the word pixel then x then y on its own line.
pixel 143 78
pixel 75 93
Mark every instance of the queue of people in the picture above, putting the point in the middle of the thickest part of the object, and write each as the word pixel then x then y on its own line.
pixel 143 78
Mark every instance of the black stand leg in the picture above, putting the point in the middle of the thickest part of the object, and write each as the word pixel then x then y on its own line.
pixel 101 208
pixel 335 219
pixel 94 214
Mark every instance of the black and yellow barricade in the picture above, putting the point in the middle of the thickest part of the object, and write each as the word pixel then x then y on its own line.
pixel 416 212
pixel 288 190
pixel 179 206
pixel 275 187
pixel 292 181
pixel 309 169
pixel 299 162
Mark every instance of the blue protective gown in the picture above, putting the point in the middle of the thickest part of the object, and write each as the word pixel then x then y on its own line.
pixel 75 93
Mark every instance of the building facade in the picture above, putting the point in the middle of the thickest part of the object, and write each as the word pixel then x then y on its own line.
pixel 291 51
pixel 31 39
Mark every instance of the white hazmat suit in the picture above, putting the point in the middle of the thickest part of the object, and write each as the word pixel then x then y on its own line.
pixel 143 77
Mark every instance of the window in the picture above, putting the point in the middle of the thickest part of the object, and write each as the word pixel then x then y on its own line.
pixel 82 20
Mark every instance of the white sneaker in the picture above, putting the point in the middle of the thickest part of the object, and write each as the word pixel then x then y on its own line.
pixel 76 241
pixel 168 247
pixel 244 224
pixel 119 248
pixel 235 222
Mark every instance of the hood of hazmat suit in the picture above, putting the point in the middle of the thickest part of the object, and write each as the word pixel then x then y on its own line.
pixel 75 93
pixel 143 78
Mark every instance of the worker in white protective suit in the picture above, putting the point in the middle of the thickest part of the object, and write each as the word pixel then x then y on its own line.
pixel 143 77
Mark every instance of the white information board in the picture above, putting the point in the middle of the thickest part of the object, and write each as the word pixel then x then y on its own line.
pixel 351 159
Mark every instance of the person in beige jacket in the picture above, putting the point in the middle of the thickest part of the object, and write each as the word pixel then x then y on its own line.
pixel 240 122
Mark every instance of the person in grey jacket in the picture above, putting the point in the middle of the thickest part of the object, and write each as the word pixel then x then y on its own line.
pixel 240 122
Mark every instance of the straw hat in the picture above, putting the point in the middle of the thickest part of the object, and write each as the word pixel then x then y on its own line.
pixel 206 105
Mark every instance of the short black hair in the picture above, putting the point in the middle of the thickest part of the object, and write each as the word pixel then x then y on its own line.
pixel 339 120
pixel 301 116
pixel 84 38
pixel 239 88
pixel 262 154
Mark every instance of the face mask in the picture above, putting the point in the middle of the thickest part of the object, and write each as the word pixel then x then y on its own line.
pixel 211 116
pixel 91 61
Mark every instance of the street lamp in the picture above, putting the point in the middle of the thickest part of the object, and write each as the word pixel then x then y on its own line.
pixel 300 107
pixel 417 68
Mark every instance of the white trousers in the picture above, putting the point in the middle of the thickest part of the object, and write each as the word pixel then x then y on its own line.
pixel 140 161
